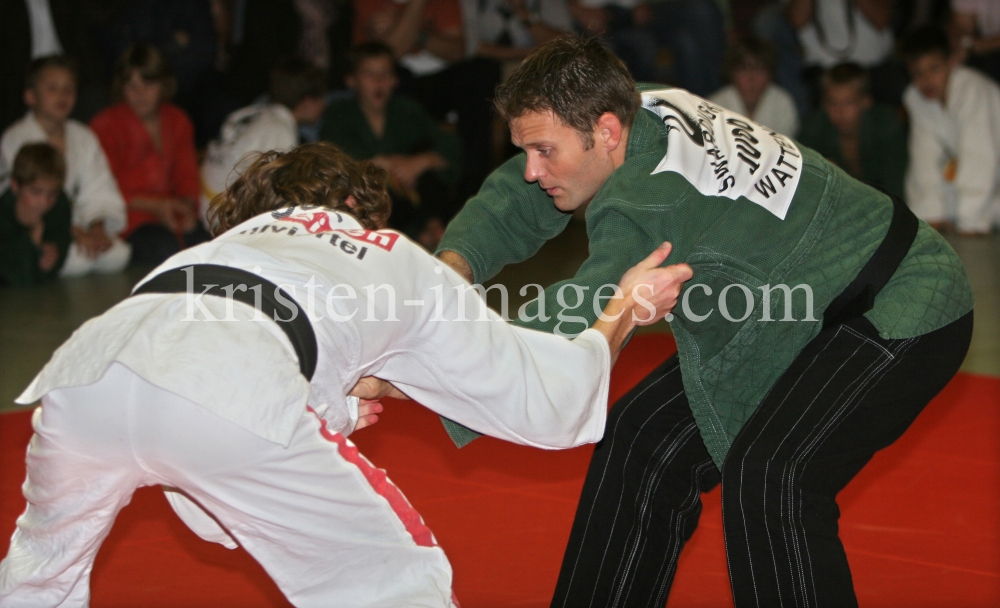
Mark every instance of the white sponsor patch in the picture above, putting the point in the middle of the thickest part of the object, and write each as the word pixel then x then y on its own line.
pixel 724 154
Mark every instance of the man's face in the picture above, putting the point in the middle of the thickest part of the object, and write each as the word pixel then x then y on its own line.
pixel 845 104
pixel 930 75
pixel 374 82
pixel 53 96
pixel 750 82
pixel 34 199
pixel 142 95
pixel 558 160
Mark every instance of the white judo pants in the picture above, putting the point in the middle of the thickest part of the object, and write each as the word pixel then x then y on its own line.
pixel 328 527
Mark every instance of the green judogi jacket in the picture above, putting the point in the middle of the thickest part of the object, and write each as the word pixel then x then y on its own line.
pixel 881 146
pixel 18 253
pixel 831 228
pixel 408 130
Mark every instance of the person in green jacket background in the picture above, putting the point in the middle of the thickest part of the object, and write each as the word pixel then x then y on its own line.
pixel 776 392
pixel 865 139
pixel 35 218
pixel 397 134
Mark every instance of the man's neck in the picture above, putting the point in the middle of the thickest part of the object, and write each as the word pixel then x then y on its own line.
pixel 375 118
pixel 51 126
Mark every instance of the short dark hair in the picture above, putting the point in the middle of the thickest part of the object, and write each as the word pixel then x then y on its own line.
pixel 152 67
pixel 578 79
pixel 927 40
pixel 35 69
pixel 37 161
pixel 367 50
pixel 294 79
pixel 748 52
pixel 847 73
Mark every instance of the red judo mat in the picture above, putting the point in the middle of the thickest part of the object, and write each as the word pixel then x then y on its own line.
pixel 921 523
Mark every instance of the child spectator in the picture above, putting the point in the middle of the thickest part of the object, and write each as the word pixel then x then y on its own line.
pixel 954 137
pixel 98 208
pixel 866 139
pixel 749 67
pixel 150 147
pixel 297 89
pixel 35 218
pixel 396 134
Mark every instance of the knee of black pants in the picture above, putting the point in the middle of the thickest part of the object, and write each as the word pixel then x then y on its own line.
pixel 652 441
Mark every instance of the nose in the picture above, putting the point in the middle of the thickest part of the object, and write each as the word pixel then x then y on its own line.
pixel 533 168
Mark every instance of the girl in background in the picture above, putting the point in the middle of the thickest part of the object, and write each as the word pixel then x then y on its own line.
pixel 149 143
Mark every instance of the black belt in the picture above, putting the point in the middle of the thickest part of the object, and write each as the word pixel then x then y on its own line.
pixel 859 297
pixel 211 278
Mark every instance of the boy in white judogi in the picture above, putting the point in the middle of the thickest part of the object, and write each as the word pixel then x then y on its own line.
pixel 954 173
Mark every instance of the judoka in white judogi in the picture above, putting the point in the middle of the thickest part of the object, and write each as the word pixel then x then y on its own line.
pixel 153 392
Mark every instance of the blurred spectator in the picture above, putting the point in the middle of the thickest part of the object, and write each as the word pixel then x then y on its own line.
pixel 98 208
pixel 623 25
pixel 749 67
pixel 296 96
pixel 30 29
pixel 866 139
pixel 182 30
pixel 508 30
pixel 976 25
pixel 695 33
pixel 34 218
pixel 396 134
pixel 252 37
pixel 326 36
pixel 954 137
pixel 149 143
pixel 427 38
pixel 814 35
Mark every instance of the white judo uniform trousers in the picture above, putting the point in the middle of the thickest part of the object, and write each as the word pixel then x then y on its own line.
pixel 219 410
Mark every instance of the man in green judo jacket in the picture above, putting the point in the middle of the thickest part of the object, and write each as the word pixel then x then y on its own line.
pixel 820 320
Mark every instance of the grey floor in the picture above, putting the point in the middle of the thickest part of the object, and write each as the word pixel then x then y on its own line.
pixel 35 321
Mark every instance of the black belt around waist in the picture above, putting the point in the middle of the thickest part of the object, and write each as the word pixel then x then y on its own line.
pixel 228 282
pixel 859 297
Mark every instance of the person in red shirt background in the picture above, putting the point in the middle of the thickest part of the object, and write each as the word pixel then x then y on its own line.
pixel 149 143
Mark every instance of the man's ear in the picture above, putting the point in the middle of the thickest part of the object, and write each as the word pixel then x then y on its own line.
pixel 350 201
pixel 14 186
pixel 29 97
pixel 609 131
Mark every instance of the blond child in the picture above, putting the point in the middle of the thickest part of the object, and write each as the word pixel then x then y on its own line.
pixel 97 206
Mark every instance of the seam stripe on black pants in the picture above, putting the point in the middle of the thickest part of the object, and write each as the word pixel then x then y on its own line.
pixel 847 395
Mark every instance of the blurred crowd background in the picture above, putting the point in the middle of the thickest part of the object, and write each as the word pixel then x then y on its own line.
pixel 121 119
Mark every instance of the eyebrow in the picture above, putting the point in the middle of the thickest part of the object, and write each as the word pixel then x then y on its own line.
pixel 531 144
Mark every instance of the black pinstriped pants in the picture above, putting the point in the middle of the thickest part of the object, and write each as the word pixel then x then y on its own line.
pixel 849 394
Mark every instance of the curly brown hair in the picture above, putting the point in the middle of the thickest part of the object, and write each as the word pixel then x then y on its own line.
pixel 310 174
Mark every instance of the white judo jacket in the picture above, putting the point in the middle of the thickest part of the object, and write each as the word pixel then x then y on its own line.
pixel 379 305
